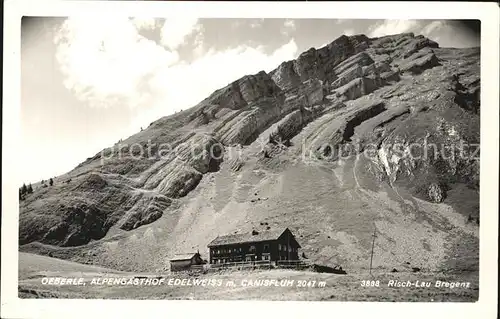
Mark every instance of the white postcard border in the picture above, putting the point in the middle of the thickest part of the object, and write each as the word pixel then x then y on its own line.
pixel 13 307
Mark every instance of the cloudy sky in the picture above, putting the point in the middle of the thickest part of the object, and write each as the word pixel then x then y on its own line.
pixel 87 82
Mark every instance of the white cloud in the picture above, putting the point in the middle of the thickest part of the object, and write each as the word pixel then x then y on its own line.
pixel 108 61
pixel 389 27
pixel 432 27
pixel 256 24
pixel 175 31
pixel 348 32
pixel 184 85
pixel 448 35
pixel 286 52
pixel 290 24
pixel 440 31
pixel 144 23
pixel 199 43
pixel 288 27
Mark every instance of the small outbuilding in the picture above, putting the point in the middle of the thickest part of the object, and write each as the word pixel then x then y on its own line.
pixel 183 262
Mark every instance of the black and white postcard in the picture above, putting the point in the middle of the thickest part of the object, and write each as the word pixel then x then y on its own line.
pixel 332 153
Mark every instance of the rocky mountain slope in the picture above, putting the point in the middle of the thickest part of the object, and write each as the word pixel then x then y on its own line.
pixel 358 135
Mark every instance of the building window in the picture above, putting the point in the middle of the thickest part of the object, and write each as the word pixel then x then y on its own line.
pixel 252 248
pixel 279 246
pixel 286 248
pixel 266 247
pixel 229 250
pixel 265 257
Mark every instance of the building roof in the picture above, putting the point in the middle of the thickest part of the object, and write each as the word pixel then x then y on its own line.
pixel 247 237
pixel 185 256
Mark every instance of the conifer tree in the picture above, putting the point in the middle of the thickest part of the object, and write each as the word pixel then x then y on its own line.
pixel 51 182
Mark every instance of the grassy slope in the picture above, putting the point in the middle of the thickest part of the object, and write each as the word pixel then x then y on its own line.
pixel 31 266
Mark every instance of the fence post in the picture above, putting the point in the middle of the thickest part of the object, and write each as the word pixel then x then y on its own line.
pixel 373 244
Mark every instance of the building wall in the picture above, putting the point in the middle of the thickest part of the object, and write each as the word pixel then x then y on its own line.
pixel 179 265
pixel 176 265
pixel 286 250
pixel 262 250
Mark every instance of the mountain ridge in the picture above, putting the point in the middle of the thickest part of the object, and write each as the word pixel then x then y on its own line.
pixel 298 133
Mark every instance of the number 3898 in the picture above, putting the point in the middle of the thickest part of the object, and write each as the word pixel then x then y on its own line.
pixel 370 283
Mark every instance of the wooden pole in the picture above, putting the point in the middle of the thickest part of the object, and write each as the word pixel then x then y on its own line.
pixel 373 244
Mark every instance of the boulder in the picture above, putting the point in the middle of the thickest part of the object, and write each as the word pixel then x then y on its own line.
pixel 436 193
